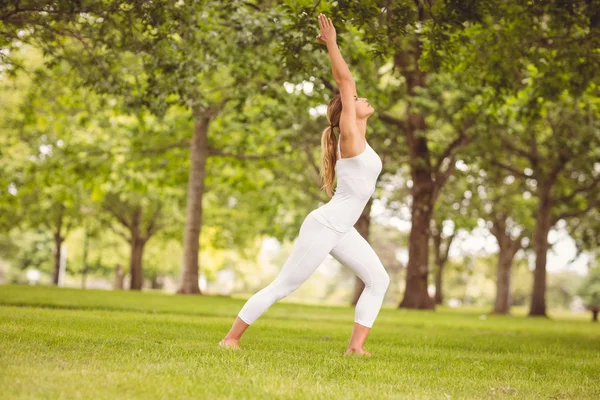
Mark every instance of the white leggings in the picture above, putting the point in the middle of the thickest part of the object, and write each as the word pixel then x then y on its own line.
pixel 314 242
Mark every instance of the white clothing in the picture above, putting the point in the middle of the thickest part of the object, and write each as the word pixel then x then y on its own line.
pixel 329 229
pixel 356 179
pixel 314 242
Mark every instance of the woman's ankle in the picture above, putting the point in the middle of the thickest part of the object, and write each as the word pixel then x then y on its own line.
pixel 355 348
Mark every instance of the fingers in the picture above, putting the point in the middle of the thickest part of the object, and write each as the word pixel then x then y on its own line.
pixel 324 21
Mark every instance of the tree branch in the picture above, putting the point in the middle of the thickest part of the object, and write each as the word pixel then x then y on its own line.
pixel 534 149
pixel 330 85
pixel 177 145
pixel 516 150
pixel 216 152
pixel 566 199
pixel 448 244
pixel 510 169
pixel 108 223
pixel 516 244
pixel 576 213
pixel 560 165
pixel 441 178
pixel 392 120
pixel 449 149
pixel 153 226
pixel 111 210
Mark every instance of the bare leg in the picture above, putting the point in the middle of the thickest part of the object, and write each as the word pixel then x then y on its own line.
pixel 234 335
pixel 358 339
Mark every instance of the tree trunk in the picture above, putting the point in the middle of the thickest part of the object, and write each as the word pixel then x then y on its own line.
pixel 508 249
pixel 156 282
pixel 440 261
pixel 362 226
pixel 84 270
pixel 502 304
pixel 438 298
pixel 58 241
pixel 119 277
pixel 540 239
pixel 193 222
pixel 135 268
pixel 137 251
pixel 595 314
pixel 415 294
pixel 441 257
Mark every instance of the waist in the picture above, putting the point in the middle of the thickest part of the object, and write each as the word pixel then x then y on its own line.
pixel 341 213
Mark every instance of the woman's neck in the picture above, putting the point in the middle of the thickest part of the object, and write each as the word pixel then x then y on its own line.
pixel 362 127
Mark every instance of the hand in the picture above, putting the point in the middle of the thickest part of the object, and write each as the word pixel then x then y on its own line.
pixel 327 31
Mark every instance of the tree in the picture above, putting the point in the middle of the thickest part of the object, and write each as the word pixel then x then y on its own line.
pixel 537 59
pixel 49 181
pixel 590 291
pixel 176 53
pixel 394 32
pixel 556 157
pixel 497 45
pixel 499 200
pixel 453 212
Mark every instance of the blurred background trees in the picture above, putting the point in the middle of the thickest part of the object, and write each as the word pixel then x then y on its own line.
pixel 178 144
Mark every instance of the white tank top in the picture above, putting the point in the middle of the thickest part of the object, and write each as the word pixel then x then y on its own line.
pixel 356 179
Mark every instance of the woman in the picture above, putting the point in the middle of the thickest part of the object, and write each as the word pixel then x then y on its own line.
pixel 329 229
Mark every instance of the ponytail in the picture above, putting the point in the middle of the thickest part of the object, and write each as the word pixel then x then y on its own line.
pixel 328 159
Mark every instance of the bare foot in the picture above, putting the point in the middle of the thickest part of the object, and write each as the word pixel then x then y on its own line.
pixel 361 352
pixel 229 344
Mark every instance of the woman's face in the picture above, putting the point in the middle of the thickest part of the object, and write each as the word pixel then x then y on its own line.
pixel 363 108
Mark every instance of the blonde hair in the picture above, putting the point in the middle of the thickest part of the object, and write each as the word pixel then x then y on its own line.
pixel 329 144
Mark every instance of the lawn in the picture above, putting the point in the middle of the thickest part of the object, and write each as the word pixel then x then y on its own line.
pixel 69 343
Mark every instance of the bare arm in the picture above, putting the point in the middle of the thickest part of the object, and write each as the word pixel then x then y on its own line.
pixel 347 87
pixel 327 35
pixel 339 68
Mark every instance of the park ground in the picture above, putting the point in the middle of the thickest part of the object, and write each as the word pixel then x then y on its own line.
pixel 68 343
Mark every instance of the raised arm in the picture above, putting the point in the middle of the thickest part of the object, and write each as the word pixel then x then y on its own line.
pixel 343 78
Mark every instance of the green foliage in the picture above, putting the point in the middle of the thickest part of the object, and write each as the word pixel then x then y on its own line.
pixel 589 290
pixel 106 121
pixel 105 250
pixel 498 44
pixel 27 249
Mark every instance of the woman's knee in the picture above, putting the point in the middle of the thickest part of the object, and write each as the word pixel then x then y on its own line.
pixel 282 290
pixel 377 280
pixel 380 281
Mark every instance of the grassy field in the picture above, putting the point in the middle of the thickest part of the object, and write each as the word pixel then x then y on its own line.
pixel 68 343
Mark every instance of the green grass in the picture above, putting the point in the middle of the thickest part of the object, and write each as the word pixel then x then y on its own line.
pixel 68 343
